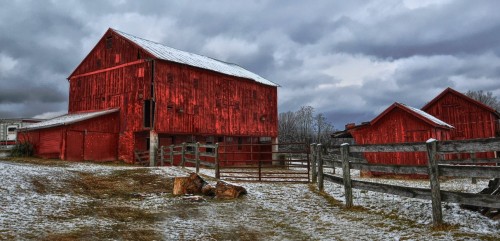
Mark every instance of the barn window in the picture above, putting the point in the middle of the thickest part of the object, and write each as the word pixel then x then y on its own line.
pixel 147 144
pixel 210 141
pixel 139 54
pixel 109 42
pixel 11 130
pixel 220 139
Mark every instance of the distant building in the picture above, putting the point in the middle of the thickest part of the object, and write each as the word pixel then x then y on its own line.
pixel 135 93
pixel 9 127
pixel 400 123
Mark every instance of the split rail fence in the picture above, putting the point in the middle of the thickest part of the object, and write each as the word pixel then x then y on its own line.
pixel 436 168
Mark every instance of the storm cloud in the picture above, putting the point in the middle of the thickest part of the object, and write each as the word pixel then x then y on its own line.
pixel 347 59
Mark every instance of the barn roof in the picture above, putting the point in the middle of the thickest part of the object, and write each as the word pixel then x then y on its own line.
pixel 163 52
pixel 68 119
pixel 465 97
pixel 415 112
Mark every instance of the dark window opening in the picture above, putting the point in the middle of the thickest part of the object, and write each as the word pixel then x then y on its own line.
pixel 139 54
pixel 220 139
pixel 147 144
pixel 240 143
pixel 109 42
pixel 210 141
pixel 11 129
pixel 149 113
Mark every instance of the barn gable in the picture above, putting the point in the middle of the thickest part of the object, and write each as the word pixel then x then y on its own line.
pixel 471 119
pixel 451 92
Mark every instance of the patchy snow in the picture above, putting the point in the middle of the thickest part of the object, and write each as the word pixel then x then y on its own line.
pixel 270 211
pixel 167 53
pixel 431 140
pixel 428 116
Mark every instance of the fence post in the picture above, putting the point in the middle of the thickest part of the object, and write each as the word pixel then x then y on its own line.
pixel 162 159
pixel 320 168
pixel 171 155
pixel 183 155
pixel 473 157
pixel 217 167
pixel 437 216
pixel 197 157
pixel 314 174
pixel 346 171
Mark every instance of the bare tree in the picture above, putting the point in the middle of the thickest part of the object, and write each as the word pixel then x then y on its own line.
pixel 486 98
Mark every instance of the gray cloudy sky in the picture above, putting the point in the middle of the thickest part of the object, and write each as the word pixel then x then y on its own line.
pixel 347 59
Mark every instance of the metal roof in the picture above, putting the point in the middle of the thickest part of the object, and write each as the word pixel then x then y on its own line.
pixel 163 52
pixel 68 119
pixel 427 116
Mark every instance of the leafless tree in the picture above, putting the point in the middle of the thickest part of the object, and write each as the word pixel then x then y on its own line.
pixel 486 98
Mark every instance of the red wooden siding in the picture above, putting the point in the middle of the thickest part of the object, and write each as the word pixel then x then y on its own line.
pixel 470 118
pixel 94 139
pixel 191 100
pixel 398 126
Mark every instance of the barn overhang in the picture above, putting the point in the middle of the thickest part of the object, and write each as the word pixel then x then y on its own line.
pixel 68 119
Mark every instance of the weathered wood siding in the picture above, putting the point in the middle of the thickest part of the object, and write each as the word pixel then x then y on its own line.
pixel 471 120
pixel 192 100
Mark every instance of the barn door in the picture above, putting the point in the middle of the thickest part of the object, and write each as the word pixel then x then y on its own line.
pixel 74 145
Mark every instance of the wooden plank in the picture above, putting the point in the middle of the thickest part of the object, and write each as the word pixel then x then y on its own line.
pixel 399 147
pixel 320 168
pixel 480 200
pixel 396 169
pixel 470 171
pixel 467 146
pixel 314 173
pixel 470 161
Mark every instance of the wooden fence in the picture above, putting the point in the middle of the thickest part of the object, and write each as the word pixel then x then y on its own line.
pixel 435 169
pixel 192 153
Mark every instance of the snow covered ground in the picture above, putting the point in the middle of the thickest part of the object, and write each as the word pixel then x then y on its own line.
pixel 38 202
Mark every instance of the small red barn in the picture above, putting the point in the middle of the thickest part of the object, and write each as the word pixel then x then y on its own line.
pixel 166 96
pixel 398 124
pixel 77 136
pixel 471 118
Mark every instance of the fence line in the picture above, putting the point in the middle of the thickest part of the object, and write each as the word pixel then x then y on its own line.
pixel 435 169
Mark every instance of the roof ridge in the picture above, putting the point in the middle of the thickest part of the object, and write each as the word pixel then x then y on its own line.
pixel 168 53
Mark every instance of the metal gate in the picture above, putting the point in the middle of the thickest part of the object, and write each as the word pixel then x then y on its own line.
pixel 266 162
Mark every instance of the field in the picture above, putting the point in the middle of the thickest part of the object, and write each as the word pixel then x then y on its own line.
pixel 57 200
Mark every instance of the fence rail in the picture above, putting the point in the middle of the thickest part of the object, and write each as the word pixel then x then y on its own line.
pixel 436 168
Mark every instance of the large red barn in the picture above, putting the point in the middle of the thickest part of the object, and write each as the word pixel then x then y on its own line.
pixel 165 96
pixel 400 123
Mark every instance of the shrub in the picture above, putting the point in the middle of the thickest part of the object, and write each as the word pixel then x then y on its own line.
pixel 22 149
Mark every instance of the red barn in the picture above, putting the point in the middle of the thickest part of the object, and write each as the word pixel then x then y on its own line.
pixel 165 96
pixel 398 124
pixel 471 119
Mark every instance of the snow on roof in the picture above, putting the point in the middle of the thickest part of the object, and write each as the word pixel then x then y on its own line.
pixel 427 116
pixel 68 119
pixel 167 53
